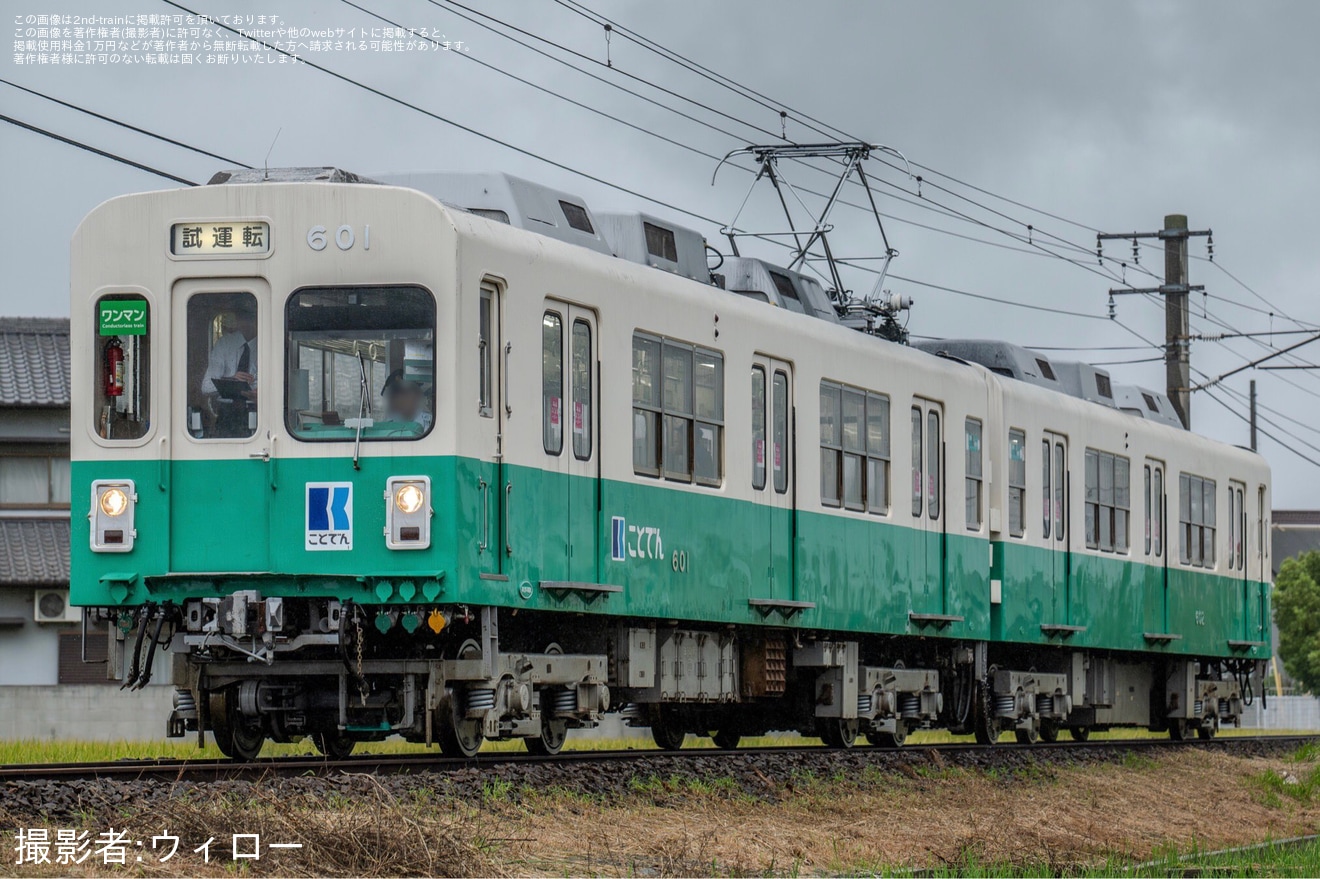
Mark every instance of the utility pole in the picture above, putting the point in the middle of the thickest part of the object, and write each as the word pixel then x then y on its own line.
pixel 1253 415
pixel 1177 344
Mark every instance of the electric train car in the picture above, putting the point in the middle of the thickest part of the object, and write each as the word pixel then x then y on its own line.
pixel 367 460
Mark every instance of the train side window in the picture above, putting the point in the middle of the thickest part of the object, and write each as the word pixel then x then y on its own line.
pixel 646 405
pixel 1196 515
pixel 758 427
pixel 933 458
pixel 1060 494
pixel 581 379
pixel 1232 528
pixel 223 374
pixel 552 383
pixel 1157 519
pixel 121 393
pixel 1109 501
pixel 1122 502
pixel 831 443
pixel 779 399
pixel 708 399
pixel 485 356
pixel 1145 494
pixel 974 474
pixel 1017 483
pixel 678 411
pixel 1092 499
pixel 854 449
pixel 1242 531
pixel 1045 494
pixel 877 450
pixel 918 479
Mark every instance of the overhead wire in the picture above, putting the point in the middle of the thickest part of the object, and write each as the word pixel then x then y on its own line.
pixel 97 151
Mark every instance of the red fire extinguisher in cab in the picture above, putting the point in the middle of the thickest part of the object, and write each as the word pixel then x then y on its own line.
pixel 114 368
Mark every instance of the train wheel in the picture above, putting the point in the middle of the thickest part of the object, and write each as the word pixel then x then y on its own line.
pixel 726 740
pixel 894 739
pixel 837 732
pixel 984 725
pixel 1049 731
pixel 1027 736
pixel 334 745
pixel 1206 731
pixel 459 736
pixel 1079 733
pixel 235 739
pixel 1178 730
pixel 666 732
pixel 554 731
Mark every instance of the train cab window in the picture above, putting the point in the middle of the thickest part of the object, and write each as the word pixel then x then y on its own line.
pixel 974 474
pixel 582 413
pixel 1017 483
pixel 918 478
pixel 758 427
pixel 877 453
pixel 1196 516
pixel 1108 501
pixel 678 417
pixel 361 362
pixel 121 391
pixel 781 457
pixel 552 383
pixel 223 373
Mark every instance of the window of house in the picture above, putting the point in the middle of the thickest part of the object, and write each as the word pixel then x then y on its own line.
pixel 34 481
pixel 974 474
pixel 678 410
pixel 1196 517
pixel 552 383
pixel 1017 483
pixel 121 390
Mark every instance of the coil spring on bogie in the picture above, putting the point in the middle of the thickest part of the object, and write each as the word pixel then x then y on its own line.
pixel 480 700
pixel 1198 708
pixel 864 701
pixel 1045 704
pixel 1224 709
pixel 565 701
pixel 909 705
pixel 630 711
pixel 1006 706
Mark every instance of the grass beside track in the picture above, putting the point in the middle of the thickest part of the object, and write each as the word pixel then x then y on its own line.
pixel 33 751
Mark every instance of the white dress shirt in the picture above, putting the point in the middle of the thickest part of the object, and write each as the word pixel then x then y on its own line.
pixel 223 361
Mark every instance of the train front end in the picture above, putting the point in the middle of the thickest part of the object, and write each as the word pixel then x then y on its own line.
pixel 263 441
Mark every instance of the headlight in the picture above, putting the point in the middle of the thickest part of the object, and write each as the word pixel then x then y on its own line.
pixel 114 502
pixel 409 499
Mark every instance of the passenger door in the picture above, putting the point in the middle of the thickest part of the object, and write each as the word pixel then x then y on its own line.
pixel 1054 520
pixel 772 477
pixel 928 588
pixel 220 447
pixel 569 495
pixel 1155 583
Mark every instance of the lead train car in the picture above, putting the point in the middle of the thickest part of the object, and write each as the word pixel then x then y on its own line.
pixel 773 522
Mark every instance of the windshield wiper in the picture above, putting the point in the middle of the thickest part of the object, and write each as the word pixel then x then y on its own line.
pixel 362 410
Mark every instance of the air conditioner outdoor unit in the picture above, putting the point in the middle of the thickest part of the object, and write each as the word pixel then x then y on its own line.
pixel 52 606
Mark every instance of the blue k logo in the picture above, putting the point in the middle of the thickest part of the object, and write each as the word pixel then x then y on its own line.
pixel 329 515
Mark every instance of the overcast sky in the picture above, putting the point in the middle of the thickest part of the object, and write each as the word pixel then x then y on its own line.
pixel 1111 114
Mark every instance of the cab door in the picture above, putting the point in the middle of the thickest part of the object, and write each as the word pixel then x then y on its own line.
pixel 928 587
pixel 772 476
pixel 220 452
pixel 1055 522
pixel 570 495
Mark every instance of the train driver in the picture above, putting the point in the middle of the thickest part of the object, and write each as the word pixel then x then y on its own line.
pixel 233 361
pixel 405 401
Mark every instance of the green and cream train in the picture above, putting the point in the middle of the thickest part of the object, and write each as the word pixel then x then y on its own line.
pixel 365 459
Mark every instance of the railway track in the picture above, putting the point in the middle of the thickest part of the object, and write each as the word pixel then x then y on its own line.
pixel 201 770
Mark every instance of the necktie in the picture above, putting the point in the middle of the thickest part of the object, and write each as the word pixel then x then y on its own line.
pixel 244 358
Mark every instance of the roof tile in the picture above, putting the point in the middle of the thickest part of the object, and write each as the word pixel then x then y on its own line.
pixel 34 552
pixel 34 361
